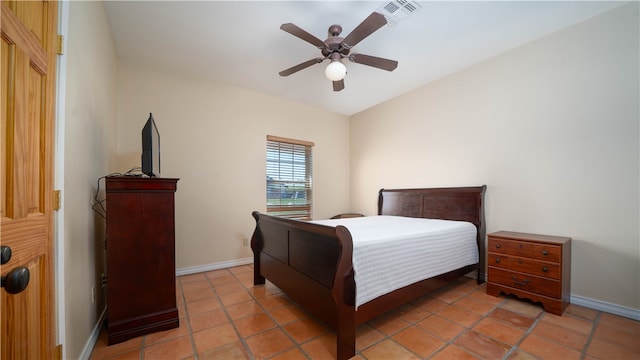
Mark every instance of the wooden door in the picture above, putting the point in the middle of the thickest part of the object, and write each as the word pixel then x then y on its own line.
pixel 28 54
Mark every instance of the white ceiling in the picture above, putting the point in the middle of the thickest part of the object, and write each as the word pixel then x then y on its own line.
pixel 240 43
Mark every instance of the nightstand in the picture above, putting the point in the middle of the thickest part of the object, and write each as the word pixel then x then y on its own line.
pixel 532 266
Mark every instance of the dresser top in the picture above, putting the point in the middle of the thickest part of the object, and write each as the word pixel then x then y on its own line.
pixel 529 237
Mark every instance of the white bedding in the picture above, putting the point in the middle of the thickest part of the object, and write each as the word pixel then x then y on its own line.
pixel 390 252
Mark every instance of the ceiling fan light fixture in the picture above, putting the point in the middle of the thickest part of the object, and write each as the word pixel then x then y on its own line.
pixel 335 71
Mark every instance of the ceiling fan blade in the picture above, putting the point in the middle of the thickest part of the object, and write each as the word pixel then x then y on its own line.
pixel 372 23
pixel 300 66
pixel 298 32
pixel 338 85
pixel 380 63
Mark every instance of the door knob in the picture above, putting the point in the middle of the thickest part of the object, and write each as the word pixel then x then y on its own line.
pixel 16 280
pixel 5 254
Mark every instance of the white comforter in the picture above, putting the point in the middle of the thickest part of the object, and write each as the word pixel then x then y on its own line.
pixel 390 252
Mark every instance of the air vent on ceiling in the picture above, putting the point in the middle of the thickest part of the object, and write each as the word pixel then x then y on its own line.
pixel 398 10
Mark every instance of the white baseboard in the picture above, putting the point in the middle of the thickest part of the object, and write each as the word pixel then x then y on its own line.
pixel 215 266
pixel 93 338
pixel 608 307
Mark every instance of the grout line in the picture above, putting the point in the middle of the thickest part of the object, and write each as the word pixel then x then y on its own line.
pixel 596 322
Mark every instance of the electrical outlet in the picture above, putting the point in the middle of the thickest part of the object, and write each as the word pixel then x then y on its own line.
pixel 245 242
pixel 93 294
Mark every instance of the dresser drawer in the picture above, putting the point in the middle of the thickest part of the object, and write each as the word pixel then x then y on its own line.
pixel 530 283
pixel 523 265
pixel 546 252
pixel 518 248
pixel 498 260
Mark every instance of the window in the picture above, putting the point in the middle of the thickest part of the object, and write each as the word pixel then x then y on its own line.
pixel 289 178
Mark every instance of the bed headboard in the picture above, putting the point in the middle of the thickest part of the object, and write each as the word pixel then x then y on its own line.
pixel 460 203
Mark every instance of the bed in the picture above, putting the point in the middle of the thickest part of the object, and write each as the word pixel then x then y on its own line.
pixel 313 263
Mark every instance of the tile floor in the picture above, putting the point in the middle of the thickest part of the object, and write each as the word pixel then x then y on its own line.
pixel 223 316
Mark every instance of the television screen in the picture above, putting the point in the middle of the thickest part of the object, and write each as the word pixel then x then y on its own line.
pixel 150 148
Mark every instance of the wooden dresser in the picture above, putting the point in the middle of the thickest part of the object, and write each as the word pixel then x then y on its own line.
pixel 536 267
pixel 141 282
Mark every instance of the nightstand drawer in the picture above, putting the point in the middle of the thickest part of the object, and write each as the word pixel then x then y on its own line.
pixel 546 252
pixel 534 267
pixel 498 260
pixel 518 248
pixel 530 283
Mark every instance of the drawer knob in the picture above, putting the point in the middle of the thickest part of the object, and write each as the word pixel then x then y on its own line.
pixel 545 269
pixel 545 252
pixel 498 246
pixel 520 246
pixel 520 262
pixel 498 260
pixel 518 282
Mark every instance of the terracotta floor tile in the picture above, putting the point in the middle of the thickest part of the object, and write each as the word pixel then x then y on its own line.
pixel 222 280
pixel 253 324
pixel 160 336
pixel 412 313
pixel 232 351
pixel 481 295
pixel 388 349
pixel 207 320
pixel 499 331
pixel 546 349
pixel 478 307
pixel 229 288
pixel 458 321
pixel 454 352
pixel 601 349
pixel 274 300
pixel 131 355
pixel 323 347
pixel 568 321
pixel 103 351
pixel 441 327
pixel 366 336
pixel 192 277
pixel 291 354
pixel 522 355
pixel 199 294
pixel 418 341
pixel 581 311
pixel 235 297
pixel 481 345
pixel 620 323
pixel 260 291
pixel 388 324
pixel 243 309
pixel 196 285
pixel 459 315
pixel 561 335
pixel 305 330
pixel 178 348
pixel 620 337
pixel 269 343
pixel 516 320
pixel 286 314
pixel 522 307
pixel 214 337
pixel 202 306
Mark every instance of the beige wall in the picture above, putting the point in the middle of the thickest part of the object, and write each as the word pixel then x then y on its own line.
pixel 90 152
pixel 552 128
pixel 213 137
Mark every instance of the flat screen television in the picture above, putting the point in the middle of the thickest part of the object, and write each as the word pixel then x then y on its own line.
pixel 150 148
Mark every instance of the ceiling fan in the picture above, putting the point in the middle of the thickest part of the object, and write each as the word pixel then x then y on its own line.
pixel 336 48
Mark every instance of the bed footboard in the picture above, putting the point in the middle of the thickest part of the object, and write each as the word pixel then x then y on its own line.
pixel 312 264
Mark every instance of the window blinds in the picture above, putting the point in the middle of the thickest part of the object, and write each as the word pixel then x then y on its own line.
pixel 289 180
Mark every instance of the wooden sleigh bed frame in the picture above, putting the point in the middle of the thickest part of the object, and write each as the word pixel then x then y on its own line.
pixel 312 263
